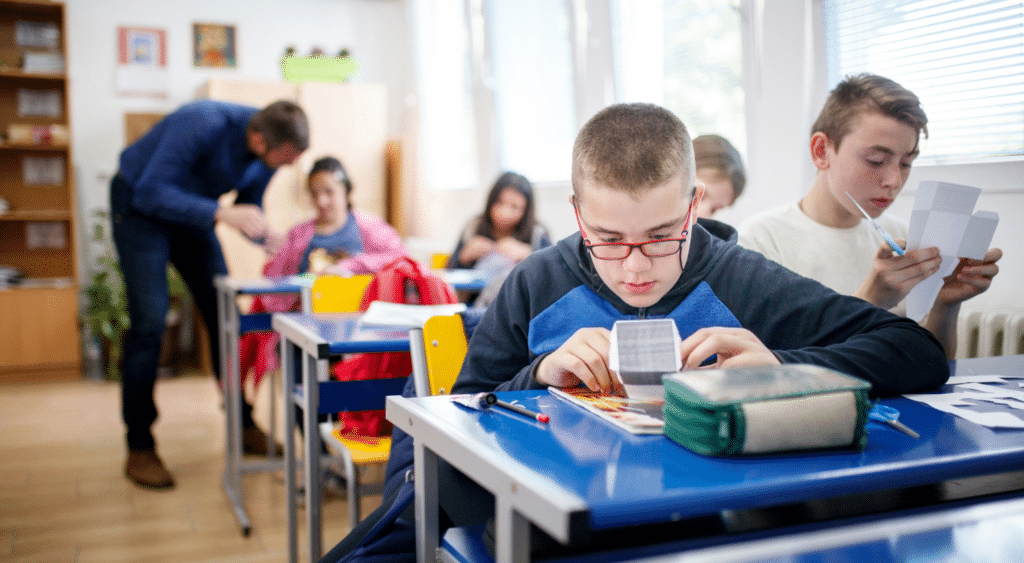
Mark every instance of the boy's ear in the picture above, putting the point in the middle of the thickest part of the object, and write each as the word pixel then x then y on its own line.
pixel 697 196
pixel 820 144
pixel 257 144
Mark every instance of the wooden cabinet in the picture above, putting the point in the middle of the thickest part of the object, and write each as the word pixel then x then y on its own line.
pixel 347 121
pixel 39 333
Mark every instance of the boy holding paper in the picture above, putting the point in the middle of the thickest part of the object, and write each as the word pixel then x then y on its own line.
pixel 641 253
pixel 863 145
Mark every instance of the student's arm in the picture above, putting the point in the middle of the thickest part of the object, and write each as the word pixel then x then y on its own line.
pixel 802 321
pixel 970 278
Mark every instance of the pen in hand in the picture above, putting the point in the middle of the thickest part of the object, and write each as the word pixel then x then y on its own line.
pixel 892 243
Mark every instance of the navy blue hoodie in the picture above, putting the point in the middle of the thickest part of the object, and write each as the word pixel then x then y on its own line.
pixel 557 291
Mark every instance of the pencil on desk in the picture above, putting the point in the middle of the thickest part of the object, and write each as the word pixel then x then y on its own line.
pixel 493 399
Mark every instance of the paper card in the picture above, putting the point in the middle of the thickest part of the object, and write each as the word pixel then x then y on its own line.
pixel 978 236
pixel 946 196
pixel 944 230
pixel 922 296
pixel 944 216
pixel 641 352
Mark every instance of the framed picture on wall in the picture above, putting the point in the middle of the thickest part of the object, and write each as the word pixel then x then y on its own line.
pixel 213 45
pixel 141 61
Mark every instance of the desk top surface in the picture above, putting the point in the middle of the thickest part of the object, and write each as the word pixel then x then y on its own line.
pixel 613 472
pixel 326 334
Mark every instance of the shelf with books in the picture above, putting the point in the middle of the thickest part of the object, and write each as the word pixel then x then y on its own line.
pixel 38 223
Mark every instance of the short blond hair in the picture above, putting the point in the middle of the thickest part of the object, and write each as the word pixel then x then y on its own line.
pixel 632 148
pixel 863 93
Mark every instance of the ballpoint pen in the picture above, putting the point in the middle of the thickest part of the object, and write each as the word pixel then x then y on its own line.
pixel 892 243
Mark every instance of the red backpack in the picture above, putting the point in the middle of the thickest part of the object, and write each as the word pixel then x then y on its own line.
pixel 401 281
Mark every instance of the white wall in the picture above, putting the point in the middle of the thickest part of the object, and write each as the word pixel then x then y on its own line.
pixel 374 31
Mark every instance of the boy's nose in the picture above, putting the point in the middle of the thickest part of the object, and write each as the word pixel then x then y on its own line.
pixel 636 261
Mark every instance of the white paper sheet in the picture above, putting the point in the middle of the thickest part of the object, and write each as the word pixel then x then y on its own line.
pixel 975 389
pixel 943 216
pixel 401 315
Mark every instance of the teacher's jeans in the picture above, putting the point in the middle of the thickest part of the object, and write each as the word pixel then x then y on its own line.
pixel 145 246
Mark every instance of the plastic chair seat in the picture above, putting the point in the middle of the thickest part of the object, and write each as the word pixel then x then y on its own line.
pixel 365 450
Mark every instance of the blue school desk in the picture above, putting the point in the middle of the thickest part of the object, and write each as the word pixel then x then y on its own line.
pixel 580 475
pixel 317 338
pixel 232 324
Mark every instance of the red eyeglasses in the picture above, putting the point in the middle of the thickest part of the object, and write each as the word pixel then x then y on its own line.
pixel 656 248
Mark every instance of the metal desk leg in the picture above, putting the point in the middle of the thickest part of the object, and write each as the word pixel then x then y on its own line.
pixel 227 311
pixel 512 533
pixel 288 351
pixel 313 371
pixel 426 504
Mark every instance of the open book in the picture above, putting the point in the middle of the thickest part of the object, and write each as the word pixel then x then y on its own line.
pixel 639 416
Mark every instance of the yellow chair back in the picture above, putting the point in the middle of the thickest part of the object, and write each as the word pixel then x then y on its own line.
pixel 339 294
pixel 444 341
pixel 439 260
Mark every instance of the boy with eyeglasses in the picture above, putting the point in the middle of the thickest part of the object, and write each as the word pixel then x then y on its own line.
pixel 641 253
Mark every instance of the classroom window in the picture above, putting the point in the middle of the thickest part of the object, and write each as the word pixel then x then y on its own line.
pixel 533 92
pixel 685 56
pixel 963 58
pixel 449 157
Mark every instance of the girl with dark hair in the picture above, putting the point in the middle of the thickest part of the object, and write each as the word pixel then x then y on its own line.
pixel 339 239
pixel 506 232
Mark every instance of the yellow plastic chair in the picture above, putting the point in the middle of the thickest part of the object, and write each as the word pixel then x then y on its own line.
pixel 439 260
pixel 342 294
pixel 438 350
pixel 338 294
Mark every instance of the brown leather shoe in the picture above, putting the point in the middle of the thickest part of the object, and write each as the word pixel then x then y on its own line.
pixel 145 468
pixel 254 442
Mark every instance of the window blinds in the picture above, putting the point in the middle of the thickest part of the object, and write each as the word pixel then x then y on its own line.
pixel 963 58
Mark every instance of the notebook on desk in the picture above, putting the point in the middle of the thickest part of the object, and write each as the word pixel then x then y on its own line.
pixel 638 416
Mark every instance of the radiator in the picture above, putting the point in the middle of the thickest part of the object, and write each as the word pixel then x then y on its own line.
pixel 989 332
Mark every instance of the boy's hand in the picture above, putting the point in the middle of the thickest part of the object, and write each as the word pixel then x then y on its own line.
pixel 733 346
pixel 582 358
pixel 970 278
pixel 893 276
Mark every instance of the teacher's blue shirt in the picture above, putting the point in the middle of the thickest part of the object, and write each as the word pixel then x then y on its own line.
pixel 189 159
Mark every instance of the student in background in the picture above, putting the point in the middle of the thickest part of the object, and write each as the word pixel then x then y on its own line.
pixel 720 169
pixel 338 240
pixel 502 236
pixel 864 143
pixel 506 232
pixel 164 207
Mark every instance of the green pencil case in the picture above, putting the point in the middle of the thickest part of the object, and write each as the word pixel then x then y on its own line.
pixel 765 409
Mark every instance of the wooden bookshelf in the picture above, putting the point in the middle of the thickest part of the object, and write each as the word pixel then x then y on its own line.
pixel 40 333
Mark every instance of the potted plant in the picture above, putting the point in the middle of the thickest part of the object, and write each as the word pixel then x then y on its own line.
pixel 106 312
